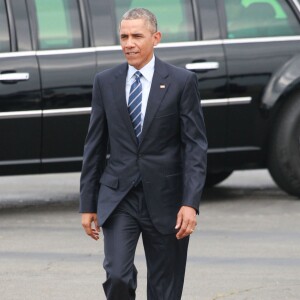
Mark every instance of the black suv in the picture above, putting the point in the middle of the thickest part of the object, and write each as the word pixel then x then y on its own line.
pixel 246 54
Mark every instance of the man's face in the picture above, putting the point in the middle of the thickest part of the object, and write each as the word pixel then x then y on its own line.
pixel 137 41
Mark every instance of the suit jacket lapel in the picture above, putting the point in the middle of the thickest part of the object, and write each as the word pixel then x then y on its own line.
pixel 118 88
pixel 159 86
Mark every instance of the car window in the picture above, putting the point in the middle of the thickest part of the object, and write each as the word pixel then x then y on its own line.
pixel 58 24
pixel 4 33
pixel 260 18
pixel 174 17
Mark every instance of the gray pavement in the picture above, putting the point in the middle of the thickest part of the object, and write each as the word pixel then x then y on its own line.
pixel 246 246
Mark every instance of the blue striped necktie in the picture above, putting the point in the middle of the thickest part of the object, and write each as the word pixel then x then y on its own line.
pixel 135 105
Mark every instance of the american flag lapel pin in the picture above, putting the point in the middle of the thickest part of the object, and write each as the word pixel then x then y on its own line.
pixel 162 86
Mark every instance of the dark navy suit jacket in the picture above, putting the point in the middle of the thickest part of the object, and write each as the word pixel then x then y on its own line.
pixel 170 158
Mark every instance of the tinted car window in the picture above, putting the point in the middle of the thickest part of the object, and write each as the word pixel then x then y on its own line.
pixel 175 18
pixel 260 18
pixel 4 35
pixel 103 31
pixel 58 24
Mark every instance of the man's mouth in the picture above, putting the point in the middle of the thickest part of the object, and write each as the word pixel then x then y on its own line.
pixel 131 53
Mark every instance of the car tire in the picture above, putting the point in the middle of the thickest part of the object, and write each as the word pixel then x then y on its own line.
pixel 215 178
pixel 284 150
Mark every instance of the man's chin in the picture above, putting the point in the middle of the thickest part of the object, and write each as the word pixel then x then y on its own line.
pixel 133 62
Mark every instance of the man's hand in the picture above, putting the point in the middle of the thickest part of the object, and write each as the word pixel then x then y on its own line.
pixel 186 221
pixel 87 219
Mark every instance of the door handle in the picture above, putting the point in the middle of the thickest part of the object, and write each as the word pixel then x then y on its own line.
pixel 204 66
pixel 14 76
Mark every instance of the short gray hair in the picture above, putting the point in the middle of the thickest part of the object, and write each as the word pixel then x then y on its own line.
pixel 142 13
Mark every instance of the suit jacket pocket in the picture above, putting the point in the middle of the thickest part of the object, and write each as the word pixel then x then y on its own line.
pixel 109 180
pixel 174 183
pixel 165 115
pixel 170 176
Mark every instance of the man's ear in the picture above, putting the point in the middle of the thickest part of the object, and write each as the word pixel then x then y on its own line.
pixel 157 38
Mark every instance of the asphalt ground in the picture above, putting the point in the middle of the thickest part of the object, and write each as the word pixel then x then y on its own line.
pixel 246 246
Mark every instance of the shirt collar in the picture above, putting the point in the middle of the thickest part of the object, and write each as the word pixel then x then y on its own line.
pixel 147 70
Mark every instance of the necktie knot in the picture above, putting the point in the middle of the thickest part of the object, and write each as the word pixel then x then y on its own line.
pixel 138 75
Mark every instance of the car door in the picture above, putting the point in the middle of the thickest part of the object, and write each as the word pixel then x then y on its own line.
pixel 20 99
pixel 67 66
pixel 260 36
pixel 186 43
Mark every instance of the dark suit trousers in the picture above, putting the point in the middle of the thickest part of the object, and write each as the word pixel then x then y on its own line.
pixel 165 255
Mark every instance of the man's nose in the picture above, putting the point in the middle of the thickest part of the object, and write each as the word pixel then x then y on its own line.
pixel 129 43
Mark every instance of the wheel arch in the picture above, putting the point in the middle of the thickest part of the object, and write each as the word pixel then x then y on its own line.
pixel 283 83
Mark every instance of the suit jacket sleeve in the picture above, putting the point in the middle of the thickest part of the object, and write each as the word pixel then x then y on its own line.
pixel 194 143
pixel 95 151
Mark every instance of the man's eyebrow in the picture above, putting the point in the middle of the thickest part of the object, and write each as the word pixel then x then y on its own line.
pixel 133 34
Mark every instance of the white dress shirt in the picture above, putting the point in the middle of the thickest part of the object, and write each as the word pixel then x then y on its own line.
pixel 147 71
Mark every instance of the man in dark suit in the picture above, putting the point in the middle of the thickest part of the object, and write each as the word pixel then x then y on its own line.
pixel 149 113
